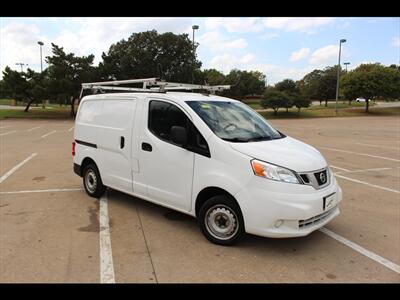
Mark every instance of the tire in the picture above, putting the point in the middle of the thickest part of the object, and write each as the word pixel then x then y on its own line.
pixel 221 221
pixel 92 181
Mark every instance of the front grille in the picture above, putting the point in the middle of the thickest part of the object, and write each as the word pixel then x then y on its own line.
pixel 317 178
pixel 316 219
pixel 321 177
pixel 305 178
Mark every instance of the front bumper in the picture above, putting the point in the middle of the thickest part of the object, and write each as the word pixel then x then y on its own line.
pixel 279 210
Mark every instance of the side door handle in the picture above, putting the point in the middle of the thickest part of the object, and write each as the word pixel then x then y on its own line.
pixel 147 147
pixel 122 142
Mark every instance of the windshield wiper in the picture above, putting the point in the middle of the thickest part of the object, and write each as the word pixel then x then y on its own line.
pixel 260 138
pixel 235 140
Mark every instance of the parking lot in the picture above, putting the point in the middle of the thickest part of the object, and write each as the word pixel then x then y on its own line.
pixel 51 231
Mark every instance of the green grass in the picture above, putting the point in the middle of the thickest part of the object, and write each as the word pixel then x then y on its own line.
pixel 255 104
pixel 38 104
pixel 54 111
pixel 36 113
pixel 330 112
pixel 5 101
pixel 341 104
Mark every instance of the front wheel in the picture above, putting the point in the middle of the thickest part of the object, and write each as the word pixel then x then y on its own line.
pixel 221 220
pixel 92 181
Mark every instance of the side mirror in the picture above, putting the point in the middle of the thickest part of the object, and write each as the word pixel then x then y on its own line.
pixel 179 135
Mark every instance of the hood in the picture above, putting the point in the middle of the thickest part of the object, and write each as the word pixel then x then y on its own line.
pixel 286 152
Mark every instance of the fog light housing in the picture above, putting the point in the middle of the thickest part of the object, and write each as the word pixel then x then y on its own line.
pixel 278 223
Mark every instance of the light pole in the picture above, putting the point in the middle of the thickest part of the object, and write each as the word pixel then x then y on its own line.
pixel 194 27
pixel 21 65
pixel 40 45
pixel 346 63
pixel 338 75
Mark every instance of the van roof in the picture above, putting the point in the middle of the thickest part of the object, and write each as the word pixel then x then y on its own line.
pixel 174 96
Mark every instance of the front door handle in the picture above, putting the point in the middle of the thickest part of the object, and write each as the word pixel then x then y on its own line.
pixel 147 147
pixel 122 142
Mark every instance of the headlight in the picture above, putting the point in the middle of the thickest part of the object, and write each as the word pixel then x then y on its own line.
pixel 273 172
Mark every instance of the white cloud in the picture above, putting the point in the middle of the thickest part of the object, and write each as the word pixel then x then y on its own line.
pixel 97 34
pixel 234 24
pixel 302 24
pixel 93 36
pixel 300 54
pixel 269 35
pixel 217 42
pixel 396 41
pixel 344 24
pixel 227 62
pixel 325 56
pixel 18 44
pixel 274 73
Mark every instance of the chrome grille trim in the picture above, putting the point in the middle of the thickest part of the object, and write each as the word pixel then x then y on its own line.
pixel 316 219
pixel 313 181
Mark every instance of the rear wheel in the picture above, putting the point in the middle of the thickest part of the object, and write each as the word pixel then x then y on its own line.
pixel 92 181
pixel 221 220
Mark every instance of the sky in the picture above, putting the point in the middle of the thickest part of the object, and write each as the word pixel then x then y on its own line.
pixel 280 47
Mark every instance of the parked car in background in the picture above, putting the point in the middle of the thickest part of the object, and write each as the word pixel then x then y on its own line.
pixel 361 99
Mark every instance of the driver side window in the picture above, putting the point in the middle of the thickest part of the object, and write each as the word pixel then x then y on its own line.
pixel 164 115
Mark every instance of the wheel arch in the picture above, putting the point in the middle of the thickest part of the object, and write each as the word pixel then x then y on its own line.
pixel 86 161
pixel 208 192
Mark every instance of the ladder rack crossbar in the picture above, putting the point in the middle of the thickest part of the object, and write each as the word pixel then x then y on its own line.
pixel 150 85
pixel 119 88
pixel 118 82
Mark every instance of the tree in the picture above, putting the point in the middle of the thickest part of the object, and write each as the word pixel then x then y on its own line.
pixel 308 86
pixel 301 102
pixel 244 83
pixel 327 87
pixel 372 81
pixel 320 84
pixel 287 103
pixel 274 99
pixel 2 90
pixel 287 85
pixel 24 86
pixel 140 55
pixel 66 74
pixel 214 77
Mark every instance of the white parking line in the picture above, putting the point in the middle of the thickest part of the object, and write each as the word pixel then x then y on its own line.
pixel 368 184
pixel 71 128
pixel 5 176
pixel 47 134
pixel 343 169
pixel 8 132
pixel 362 154
pixel 34 128
pixel 383 261
pixel 367 170
pixel 2 127
pixel 106 260
pixel 42 191
pixel 370 145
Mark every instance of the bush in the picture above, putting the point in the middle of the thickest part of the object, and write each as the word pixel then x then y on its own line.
pixel 275 100
pixel 301 102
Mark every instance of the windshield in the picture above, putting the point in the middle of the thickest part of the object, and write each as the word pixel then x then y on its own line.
pixel 234 121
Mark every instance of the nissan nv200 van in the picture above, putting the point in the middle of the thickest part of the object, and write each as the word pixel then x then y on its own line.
pixel 207 156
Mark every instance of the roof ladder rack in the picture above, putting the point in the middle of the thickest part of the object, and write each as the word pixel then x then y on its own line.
pixel 154 85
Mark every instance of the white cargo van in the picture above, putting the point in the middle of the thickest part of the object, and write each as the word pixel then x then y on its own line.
pixel 211 157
